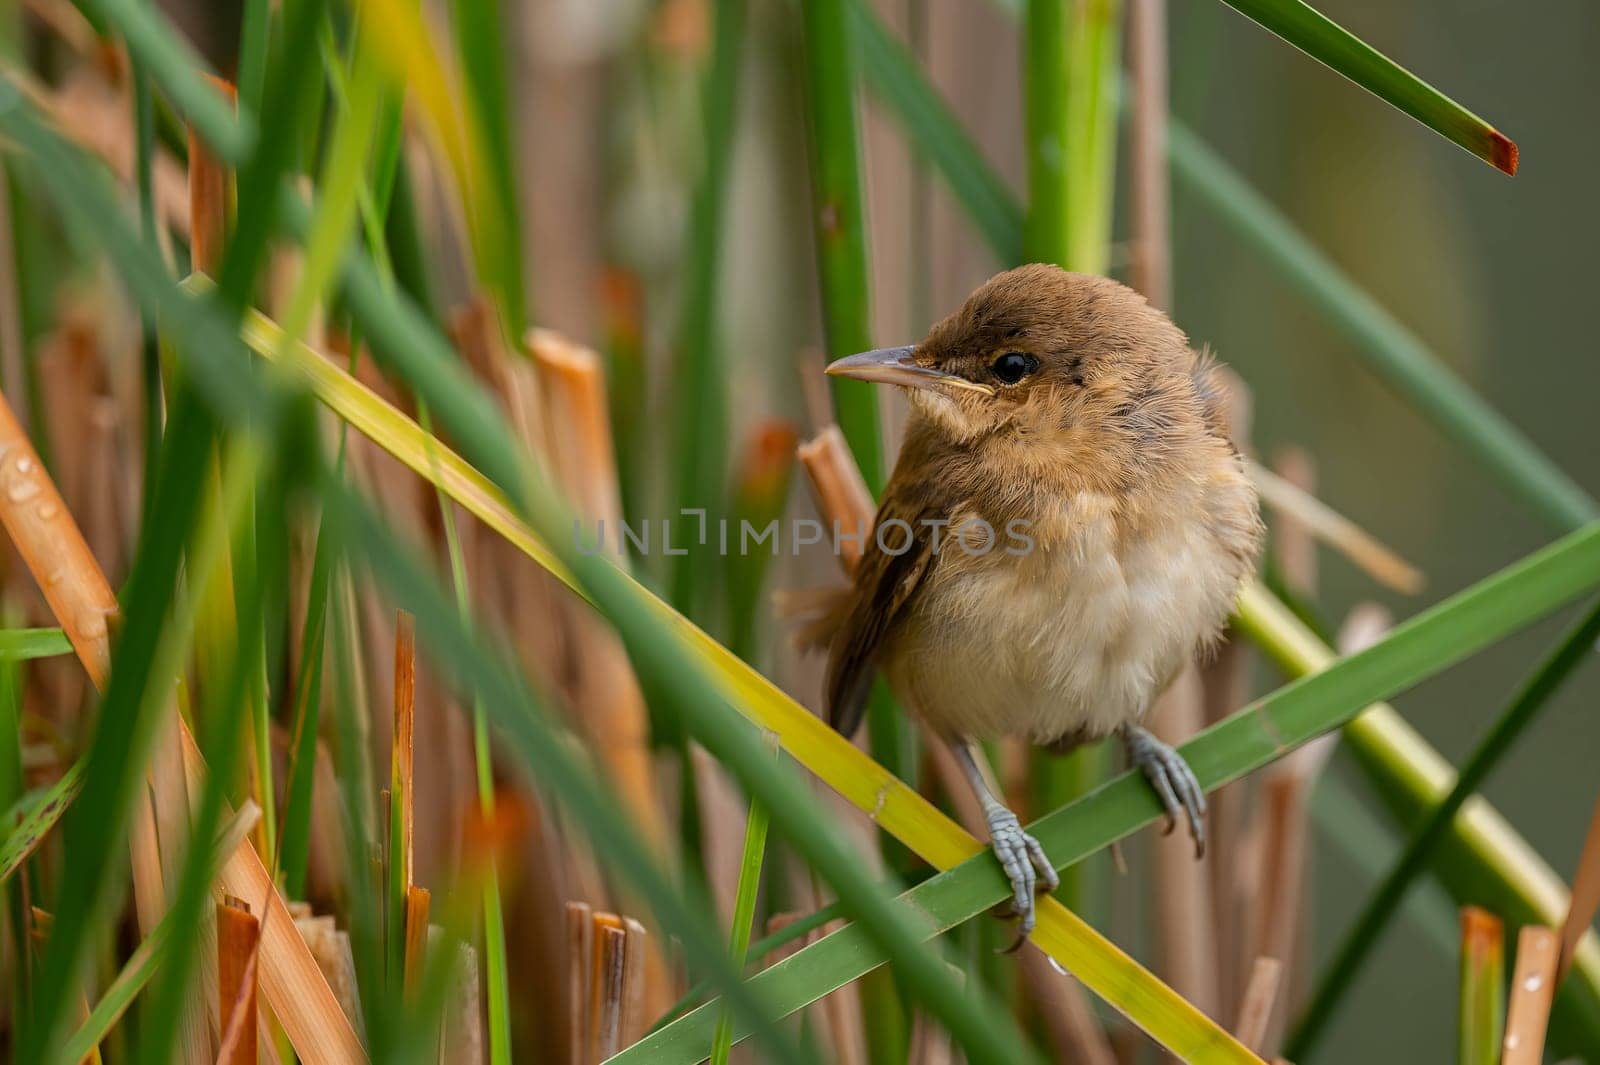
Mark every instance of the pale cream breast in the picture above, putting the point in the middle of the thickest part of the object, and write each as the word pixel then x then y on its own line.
pixel 1080 633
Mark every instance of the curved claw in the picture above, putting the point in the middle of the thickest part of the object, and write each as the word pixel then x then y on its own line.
pixel 1026 866
pixel 1173 780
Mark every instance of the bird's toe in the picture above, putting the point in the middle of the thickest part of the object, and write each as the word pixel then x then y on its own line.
pixel 1174 782
pixel 1015 850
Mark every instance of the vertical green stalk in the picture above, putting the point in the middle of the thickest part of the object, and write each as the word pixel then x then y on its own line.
pixel 1092 54
pixel 1535 694
pixel 700 401
pixel 149 348
pixel 1070 111
pixel 843 277
pixel 356 786
pixel 1046 119
pixel 480 34
pixel 844 273
pixel 744 911
pixel 841 229
pixel 254 40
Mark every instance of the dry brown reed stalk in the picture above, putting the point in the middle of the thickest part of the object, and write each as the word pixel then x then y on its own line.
pixel 930 1044
pixel 402 758
pixel 95 116
pixel 335 960
pixel 40 525
pixel 841 492
pixel 1185 928
pixel 1257 1008
pixel 605 693
pixel 1585 896
pixel 814 391
pixel 608 969
pixel 635 1019
pixel 1151 266
pixel 721 815
pixel 208 199
pixel 1533 985
pixel 238 937
pixel 58 557
pixel 1069 1020
pixel 1277 911
pixel 580 942
pixel 66 22
pixel 1374 558
pixel 1226 680
pixel 445 781
pixel 418 902
pixel 1292 545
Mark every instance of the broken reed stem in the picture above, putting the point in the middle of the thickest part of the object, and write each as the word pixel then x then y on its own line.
pixel 841 492
pixel 580 937
pixel 1257 1007
pixel 1482 1004
pixel 1364 550
pixel 418 902
pixel 1292 545
pixel 238 937
pixel 607 982
pixel 1150 199
pixel 57 556
pixel 1585 896
pixel 634 1018
pixel 1532 990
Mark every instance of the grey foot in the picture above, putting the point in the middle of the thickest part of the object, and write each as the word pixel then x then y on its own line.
pixel 1025 865
pixel 1173 780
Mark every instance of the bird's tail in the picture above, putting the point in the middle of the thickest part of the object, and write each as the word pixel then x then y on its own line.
pixel 815 614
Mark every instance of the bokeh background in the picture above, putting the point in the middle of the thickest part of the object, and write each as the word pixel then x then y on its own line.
pixel 1496 274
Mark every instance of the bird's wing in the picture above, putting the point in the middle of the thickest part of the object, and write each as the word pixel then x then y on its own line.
pixel 885 581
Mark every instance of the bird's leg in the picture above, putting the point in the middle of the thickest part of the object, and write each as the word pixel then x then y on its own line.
pixel 1023 860
pixel 1173 780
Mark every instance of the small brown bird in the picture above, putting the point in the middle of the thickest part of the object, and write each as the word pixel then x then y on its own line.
pixel 1067 525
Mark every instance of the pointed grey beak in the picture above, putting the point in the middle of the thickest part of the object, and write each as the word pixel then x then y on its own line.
pixel 894 366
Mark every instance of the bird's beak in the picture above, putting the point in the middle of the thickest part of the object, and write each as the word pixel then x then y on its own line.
pixel 895 366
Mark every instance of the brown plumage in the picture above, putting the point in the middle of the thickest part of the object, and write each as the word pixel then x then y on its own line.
pixel 1067 525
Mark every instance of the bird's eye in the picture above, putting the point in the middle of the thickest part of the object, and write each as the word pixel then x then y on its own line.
pixel 1013 366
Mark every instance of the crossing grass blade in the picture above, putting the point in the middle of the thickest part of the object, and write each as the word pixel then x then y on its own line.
pixel 1337 48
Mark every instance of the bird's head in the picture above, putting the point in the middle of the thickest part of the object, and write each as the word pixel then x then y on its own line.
pixel 1035 349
